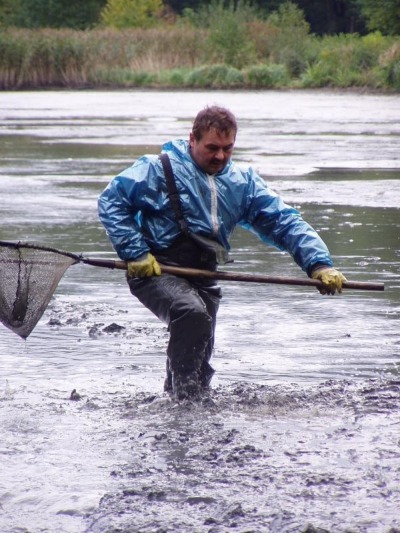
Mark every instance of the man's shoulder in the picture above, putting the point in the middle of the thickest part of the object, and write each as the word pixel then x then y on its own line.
pixel 177 151
pixel 143 163
pixel 147 159
pixel 142 168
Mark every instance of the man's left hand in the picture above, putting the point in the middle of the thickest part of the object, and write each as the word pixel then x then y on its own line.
pixel 331 279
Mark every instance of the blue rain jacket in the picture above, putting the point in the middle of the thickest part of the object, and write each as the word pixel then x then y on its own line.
pixel 138 215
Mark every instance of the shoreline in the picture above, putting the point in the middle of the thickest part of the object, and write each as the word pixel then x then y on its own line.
pixel 141 88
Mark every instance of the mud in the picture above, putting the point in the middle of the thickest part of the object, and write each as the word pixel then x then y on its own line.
pixel 300 433
pixel 254 458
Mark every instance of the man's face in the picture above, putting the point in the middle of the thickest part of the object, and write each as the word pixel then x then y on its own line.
pixel 213 151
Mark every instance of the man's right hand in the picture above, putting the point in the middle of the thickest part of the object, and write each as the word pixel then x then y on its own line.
pixel 144 267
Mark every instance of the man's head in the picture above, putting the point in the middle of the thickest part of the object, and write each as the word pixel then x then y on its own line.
pixel 212 138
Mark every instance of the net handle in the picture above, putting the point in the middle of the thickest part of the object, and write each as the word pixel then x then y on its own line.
pixel 236 276
pixel 193 272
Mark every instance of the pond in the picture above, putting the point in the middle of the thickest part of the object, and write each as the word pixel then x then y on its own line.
pixel 301 429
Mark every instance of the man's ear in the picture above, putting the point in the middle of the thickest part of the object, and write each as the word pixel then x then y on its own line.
pixel 191 138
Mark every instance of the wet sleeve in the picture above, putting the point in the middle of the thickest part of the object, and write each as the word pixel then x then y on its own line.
pixel 281 225
pixel 120 208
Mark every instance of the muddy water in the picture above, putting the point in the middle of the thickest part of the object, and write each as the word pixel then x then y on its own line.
pixel 301 430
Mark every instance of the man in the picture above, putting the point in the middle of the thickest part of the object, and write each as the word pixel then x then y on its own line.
pixel 154 215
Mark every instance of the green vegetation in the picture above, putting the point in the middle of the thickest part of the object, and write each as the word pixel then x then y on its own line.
pixel 76 14
pixel 222 44
pixel 381 16
pixel 131 13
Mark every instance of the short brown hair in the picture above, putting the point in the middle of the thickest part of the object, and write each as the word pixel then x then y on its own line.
pixel 214 117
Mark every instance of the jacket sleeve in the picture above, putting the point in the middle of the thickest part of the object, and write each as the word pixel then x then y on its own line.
pixel 281 225
pixel 120 208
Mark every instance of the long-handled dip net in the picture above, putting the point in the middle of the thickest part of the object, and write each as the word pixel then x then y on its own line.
pixel 30 273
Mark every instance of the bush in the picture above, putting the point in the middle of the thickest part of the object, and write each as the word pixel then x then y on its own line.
pixel 131 13
pixel 393 76
pixel 389 62
pixel 123 78
pixel 346 61
pixel 290 42
pixel 174 78
pixel 266 76
pixel 215 76
pixel 383 15
pixel 228 39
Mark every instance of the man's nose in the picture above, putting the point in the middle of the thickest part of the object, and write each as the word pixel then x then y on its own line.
pixel 220 154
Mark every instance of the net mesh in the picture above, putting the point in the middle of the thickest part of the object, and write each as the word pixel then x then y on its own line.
pixel 29 275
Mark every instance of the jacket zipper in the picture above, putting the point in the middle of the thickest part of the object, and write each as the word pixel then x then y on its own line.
pixel 214 204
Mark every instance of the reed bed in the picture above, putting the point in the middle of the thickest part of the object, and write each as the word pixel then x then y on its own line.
pixel 74 59
pixel 187 57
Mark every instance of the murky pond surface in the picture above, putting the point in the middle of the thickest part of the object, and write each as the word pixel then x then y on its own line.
pixel 302 428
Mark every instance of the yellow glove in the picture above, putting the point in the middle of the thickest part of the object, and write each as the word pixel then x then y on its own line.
pixel 332 280
pixel 144 267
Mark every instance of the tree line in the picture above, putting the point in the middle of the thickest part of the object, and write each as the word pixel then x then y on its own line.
pixel 325 17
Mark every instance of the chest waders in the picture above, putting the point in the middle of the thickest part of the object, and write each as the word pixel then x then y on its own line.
pixel 188 306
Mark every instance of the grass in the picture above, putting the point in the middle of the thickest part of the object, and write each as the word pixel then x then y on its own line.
pixel 179 56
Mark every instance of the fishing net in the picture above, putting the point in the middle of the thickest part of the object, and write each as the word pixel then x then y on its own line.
pixel 29 275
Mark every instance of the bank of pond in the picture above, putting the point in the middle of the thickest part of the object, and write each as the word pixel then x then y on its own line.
pixel 180 57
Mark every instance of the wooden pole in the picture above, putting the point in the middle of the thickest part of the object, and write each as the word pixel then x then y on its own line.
pixel 238 276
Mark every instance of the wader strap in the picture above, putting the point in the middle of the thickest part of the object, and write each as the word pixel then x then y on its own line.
pixel 212 248
pixel 173 192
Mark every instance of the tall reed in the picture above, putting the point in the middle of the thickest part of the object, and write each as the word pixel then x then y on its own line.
pixel 69 58
pixel 180 56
